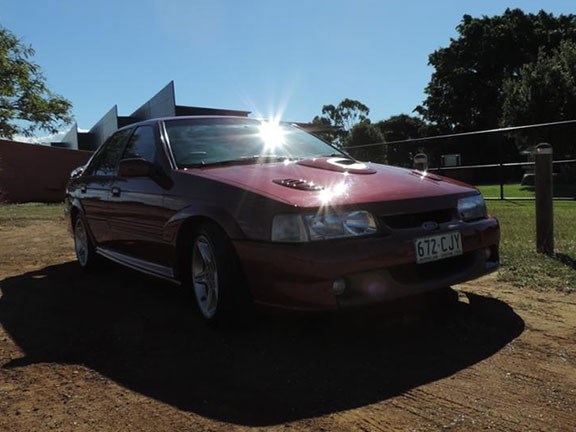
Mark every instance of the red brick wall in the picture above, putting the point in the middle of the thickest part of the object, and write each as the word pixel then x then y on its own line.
pixel 31 172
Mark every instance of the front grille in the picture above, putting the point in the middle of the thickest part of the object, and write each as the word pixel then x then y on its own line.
pixel 414 220
pixel 409 274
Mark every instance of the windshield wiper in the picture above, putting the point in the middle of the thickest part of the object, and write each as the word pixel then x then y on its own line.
pixel 272 157
pixel 334 155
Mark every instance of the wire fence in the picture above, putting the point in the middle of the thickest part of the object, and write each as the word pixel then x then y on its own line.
pixel 500 162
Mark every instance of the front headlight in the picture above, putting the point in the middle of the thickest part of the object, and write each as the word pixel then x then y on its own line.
pixel 322 226
pixel 472 208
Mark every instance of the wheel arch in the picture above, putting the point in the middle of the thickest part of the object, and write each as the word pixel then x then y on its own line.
pixel 74 211
pixel 234 298
pixel 187 223
pixel 75 208
pixel 198 212
pixel 71 211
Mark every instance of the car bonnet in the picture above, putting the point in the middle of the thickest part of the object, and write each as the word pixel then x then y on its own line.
pixel 318 182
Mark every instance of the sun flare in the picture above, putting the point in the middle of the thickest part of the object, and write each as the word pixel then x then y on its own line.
pixel 330 193
pixel 272 134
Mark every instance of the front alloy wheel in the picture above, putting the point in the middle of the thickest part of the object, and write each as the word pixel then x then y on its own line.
pixel 216 277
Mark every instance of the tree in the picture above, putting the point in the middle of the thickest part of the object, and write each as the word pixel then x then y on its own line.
pixel 399 128
pixel 466 89
pixel 340 119
pixel 544 91
pixel 403 127
pixel 322 128
pixel 26 104
pixel 366 133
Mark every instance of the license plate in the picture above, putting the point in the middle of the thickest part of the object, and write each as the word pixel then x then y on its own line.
pixel 438 247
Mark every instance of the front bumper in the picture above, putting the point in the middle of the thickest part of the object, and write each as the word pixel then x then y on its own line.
pixel 378 269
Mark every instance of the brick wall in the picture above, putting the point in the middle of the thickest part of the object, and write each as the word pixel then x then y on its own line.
pixel 30 172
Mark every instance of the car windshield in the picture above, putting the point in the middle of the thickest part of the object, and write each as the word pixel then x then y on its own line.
pixel 209 141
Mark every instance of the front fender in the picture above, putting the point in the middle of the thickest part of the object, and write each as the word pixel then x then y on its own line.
pixel 72 203
pixel 202 211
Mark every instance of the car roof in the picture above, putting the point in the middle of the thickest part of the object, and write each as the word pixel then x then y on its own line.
pixel 161 119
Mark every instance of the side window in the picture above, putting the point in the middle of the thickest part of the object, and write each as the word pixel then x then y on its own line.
pixel 141 144
pixel 106 161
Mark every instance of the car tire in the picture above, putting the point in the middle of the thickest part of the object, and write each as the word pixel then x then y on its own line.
pixel 84 247
pixel 216 277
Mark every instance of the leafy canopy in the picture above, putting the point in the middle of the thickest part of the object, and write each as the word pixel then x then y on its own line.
pixel 403 127
pixel 466 89
pixel 544 91
pixel 399 128
pixel 366 133
pixel 337 121
pixel 26 104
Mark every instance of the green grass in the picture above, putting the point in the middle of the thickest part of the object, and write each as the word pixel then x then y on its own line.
pixel 521 264
pixel 13 213
pixel 516 190
pixel 510 191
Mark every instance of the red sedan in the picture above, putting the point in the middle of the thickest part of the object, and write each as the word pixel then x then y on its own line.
pixel 246 211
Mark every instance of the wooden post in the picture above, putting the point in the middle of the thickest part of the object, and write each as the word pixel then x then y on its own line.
pixel 544 198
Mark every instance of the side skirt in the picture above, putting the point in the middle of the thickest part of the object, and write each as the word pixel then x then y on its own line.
pixel 140 265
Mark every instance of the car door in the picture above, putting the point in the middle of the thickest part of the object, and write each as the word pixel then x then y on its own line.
pixel 137 201
pixel 93 187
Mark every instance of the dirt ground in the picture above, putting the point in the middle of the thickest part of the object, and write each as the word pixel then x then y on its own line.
pixel 118 351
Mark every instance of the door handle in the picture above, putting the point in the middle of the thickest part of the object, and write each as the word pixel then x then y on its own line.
pixel 83 189
pixel 115 192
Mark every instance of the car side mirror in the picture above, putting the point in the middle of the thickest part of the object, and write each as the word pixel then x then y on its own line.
pixel 77 172
pixel 135 167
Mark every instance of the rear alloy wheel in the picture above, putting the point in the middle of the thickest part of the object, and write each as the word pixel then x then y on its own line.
pixel 216 276
pixel 85 251
pixel 205 276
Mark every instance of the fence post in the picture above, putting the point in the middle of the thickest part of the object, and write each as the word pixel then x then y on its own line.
pixel 544 199
pixel 501 167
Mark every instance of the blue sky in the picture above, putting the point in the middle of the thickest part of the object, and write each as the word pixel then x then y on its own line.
pixel 268 57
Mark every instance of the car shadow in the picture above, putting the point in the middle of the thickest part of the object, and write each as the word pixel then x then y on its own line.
pixel 142 333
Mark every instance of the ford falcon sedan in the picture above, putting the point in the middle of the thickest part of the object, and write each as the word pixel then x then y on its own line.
pixel 245 212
